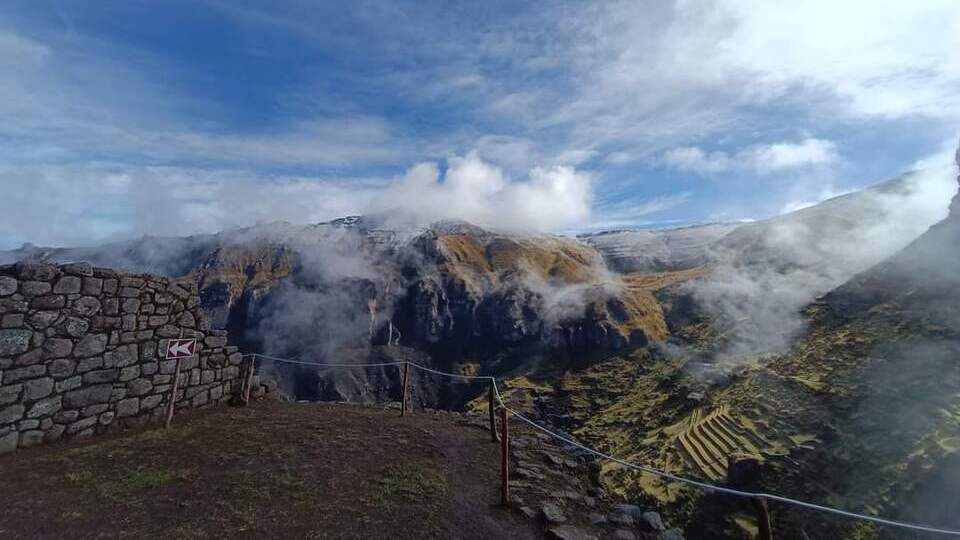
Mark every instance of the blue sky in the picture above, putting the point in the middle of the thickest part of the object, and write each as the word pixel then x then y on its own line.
pixel 129 118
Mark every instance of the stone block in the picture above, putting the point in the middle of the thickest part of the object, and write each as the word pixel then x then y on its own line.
pixel 12 320
pixel 8 285
pixel 30 358
pixel 110 306
pixel 118 393
pixel 14 342
pixel 94 410
pixel 46 407
pixel 65 417
pixel 57 348
pixel 150 402
pixel 129 281
pixel 11 414
pixel 88 396
pixel 49 302
pixel 129 373
pixel 75 326
pixel 10 394
pixel 41 320
pixel 128 322
pixel 87 364
pixel 62 368
pixel 131 305
pixel 168 366
pixel 122 356
pixel 37 388
pixel 68 285
pixel 106 418
pixel 101 376
pixel 83 269
pixel 68 384
pixel 91 345
pixel 29 372
pixel 34 288
pixel 87 306
pixel 81 425
pixel 12 305
pixel 139 387
pixel 129 292
pixel 31 423
pixel 215 341
pixel 92 286
pixel 168 331
pixel 110 286
pixel 38 271
pixel 128 407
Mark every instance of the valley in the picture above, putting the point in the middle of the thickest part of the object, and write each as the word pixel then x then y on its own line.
pixel 801 355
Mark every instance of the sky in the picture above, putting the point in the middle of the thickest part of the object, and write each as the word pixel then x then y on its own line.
pixel 122 119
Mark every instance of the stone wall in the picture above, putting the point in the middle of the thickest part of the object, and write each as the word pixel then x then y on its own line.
pixel 81 347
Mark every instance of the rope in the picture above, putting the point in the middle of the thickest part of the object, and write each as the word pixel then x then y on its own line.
pixel 318 364
pixel 710 488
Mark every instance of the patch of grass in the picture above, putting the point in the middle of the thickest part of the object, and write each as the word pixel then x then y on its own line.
pixel 140 479
pixel 411 483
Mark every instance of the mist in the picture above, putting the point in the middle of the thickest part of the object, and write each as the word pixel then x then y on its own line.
pixel 766 272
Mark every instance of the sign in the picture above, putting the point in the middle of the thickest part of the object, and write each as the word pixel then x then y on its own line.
pixel 181 348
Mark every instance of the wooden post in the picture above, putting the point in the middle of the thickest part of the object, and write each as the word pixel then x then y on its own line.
pixel 763 519
pixel 504 459
pixel 248 383
pixel 403 397
pixel 493 417
pixel 173 396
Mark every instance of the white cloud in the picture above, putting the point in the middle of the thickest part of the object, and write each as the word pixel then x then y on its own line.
pixel 761 159
pixel 70 205
pixel 476 191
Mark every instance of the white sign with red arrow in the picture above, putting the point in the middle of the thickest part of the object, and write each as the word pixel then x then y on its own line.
pixel 181 348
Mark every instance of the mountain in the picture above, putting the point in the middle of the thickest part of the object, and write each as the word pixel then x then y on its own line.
pixel 775 354
pixel 859 410
pixel 681 248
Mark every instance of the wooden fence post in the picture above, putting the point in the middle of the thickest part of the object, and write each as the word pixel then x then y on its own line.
pixel 504 458
pixel 493 417
pixel 403 397
pixel 173 396
pixel 763 519
pixel 248 380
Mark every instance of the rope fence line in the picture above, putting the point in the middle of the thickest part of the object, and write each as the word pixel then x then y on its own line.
pixel 708 487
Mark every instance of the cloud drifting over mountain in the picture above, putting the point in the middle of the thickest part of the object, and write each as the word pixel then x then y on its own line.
pixel 52 205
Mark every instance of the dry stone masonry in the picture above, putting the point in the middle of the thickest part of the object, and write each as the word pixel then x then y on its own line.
pixel 81 348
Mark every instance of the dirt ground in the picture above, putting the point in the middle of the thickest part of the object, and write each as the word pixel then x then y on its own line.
pixel 276 470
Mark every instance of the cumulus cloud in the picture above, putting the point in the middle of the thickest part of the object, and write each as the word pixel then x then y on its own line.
pixel 476 191
pixel 761 159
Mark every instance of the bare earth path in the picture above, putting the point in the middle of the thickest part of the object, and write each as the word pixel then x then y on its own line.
pixel 275 470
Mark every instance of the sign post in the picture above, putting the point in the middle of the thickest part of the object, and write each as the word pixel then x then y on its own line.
pixel 177 349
